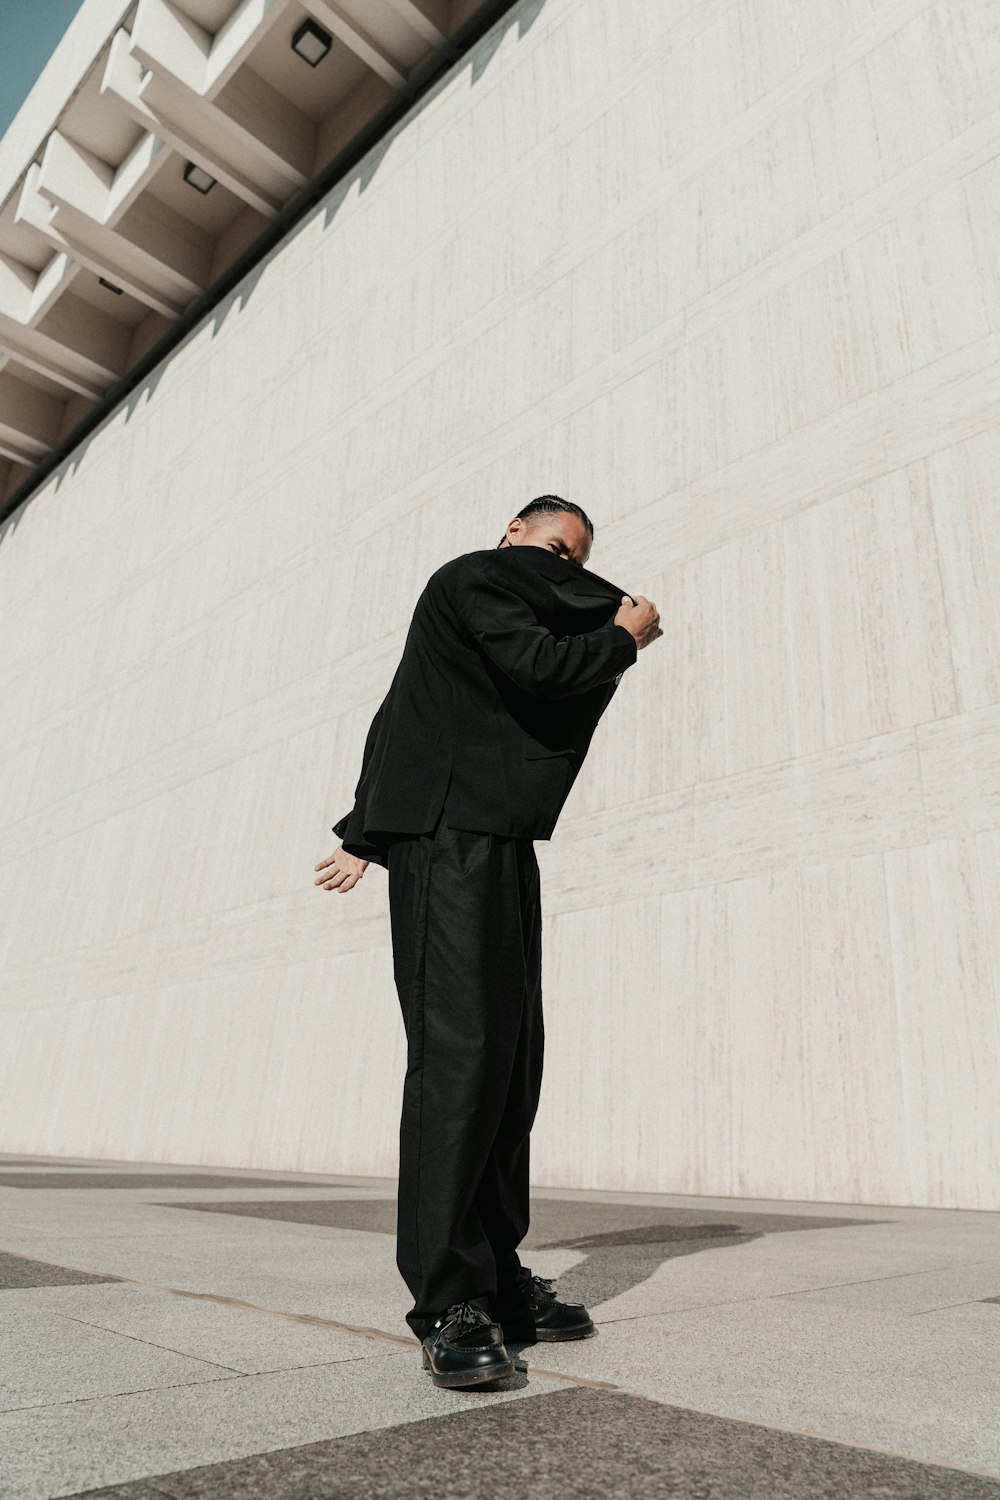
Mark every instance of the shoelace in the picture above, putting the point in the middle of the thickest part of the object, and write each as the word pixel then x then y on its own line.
pixel 465 1312
pixel 546 1286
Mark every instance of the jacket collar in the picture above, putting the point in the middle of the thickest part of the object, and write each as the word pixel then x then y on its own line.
pixel 560 570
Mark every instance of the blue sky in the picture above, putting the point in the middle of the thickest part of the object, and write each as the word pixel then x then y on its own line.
pixel 30 31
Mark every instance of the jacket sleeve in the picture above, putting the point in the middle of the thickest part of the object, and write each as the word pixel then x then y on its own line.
pixel 349 829
pixel 509 633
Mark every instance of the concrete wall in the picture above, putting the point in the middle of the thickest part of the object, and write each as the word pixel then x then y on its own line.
pixel 727 274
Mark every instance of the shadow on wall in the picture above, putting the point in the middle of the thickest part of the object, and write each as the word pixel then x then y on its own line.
pixel 362 172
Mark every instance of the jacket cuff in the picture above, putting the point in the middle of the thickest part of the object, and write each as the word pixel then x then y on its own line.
pixel 628 644
pixel 358 846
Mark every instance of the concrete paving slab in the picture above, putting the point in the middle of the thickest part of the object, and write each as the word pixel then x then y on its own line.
pixel 890 1296
pixel 59 1449
pixel 573 1443
pixel 928 1387
pixel 634 1281
pixel 240 1338
pixel 46 1358
pixel 246 1175
pixel 553 1221
pixel 361 1290
pixel 21 1271
pixel 875 1332
pixel 217 1261
pixel 74 1181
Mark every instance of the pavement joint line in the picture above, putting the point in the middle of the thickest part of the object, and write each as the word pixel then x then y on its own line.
pixel 148 1343
pixel 947 1306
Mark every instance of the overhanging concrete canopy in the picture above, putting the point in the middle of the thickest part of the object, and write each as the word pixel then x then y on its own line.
pixel 104 244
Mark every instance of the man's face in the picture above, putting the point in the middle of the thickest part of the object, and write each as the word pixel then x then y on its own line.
pixel 560 531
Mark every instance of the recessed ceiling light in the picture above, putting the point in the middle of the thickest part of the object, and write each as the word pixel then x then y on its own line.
pixel 311 42
pixel 198 178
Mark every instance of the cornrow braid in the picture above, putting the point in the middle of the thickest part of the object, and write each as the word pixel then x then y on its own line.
pixel 552 505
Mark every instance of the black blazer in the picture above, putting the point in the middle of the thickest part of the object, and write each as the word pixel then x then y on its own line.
pixel 511 658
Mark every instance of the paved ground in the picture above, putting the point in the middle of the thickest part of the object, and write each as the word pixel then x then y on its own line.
pixel 169 1331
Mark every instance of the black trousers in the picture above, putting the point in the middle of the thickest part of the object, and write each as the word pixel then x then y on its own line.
pixel 466 929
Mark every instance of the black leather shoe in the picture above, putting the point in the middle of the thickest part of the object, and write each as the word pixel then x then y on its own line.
pixel 465 1347
pixel 530 1310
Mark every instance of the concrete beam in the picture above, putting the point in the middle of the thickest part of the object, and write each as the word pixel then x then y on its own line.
pixel 185 133
pixel 429 18
pixel 237 38
pixel 30 420
pixel 329 14
pixel 79 347
pixel 87 218
pixel 246 121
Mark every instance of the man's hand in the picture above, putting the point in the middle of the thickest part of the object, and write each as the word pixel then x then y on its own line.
pixel 346 872
pixel 641 619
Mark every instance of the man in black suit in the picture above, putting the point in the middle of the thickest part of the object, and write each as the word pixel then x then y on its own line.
pixel 512 655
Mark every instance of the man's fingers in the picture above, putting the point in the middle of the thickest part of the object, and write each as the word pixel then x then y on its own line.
pixel 347 871
pixel 344 880
pixel 331 859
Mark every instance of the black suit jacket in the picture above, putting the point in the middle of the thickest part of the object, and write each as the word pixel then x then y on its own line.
pixel 511 658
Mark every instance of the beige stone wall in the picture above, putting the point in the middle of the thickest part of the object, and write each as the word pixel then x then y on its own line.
pixel 728 275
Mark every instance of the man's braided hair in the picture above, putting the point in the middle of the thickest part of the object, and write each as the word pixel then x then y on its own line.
pixel 552 505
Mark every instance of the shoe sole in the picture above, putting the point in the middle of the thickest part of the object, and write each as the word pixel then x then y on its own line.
pixel 546 1335
pixel 457 1378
